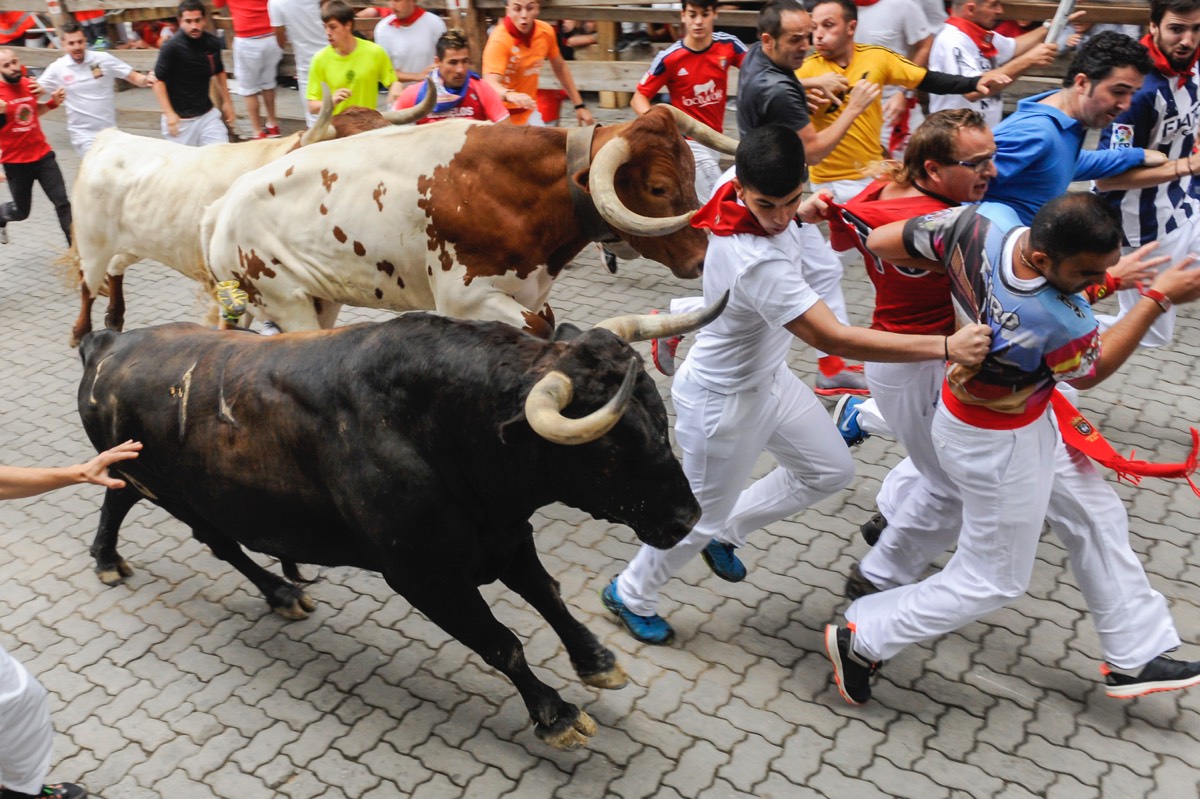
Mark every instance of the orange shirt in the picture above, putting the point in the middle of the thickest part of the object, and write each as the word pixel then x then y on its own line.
pixel 518 65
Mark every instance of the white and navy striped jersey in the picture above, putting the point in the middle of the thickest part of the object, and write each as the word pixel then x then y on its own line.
pixel 1163 116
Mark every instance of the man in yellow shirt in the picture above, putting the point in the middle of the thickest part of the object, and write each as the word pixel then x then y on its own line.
pixel 353 68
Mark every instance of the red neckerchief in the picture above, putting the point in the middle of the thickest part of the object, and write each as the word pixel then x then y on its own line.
pixel 410 19
pixel 864 3
pixel 523 39
pixel 981 36
pixel 725 216
pixel 1164 66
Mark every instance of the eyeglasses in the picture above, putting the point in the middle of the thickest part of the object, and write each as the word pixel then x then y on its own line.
pixel 978 167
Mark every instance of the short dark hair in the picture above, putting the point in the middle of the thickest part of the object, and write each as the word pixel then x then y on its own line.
pixel 191 5
pixel 1158 8
pixel 934 140
pixel 1105 52
pixel 337 10
pixel 1076 222
pixel 770 159
pixel 453 39
pixel 704 5
pixel 849 10
pixel 70 26
pixel 770 16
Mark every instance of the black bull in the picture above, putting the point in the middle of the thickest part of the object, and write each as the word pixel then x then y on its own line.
pixel 399 447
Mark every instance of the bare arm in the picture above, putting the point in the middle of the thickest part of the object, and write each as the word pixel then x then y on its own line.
pixel 412 77
pixel 821 329
pixel 142 81
pixel 281 38
pixel 920 52
pixel 17 482
pixel 887 242
pixel 640 103
pixel 1143 176
pixel 559 66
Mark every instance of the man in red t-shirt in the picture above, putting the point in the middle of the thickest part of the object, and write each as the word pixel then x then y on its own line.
pixel 461 93
pixel 256 56
pixel 695 72
pixel 24 151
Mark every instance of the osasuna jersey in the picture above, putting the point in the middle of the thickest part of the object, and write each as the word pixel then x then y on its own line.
pixel 1162 116
pixel 696 80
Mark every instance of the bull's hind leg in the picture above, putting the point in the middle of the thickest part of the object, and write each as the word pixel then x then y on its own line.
pixel 111 568
pixel 114 317
pixel 284 598
pixel 596 665
pixel 459 609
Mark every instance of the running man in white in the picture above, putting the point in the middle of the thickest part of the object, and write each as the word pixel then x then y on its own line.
pixel 735 397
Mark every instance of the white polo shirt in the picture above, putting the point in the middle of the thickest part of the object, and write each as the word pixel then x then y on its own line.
pixel 90 93
pixel 954 52
pixel 413 47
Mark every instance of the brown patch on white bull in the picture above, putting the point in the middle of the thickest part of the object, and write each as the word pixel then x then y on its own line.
pixel 430 268
pixel 380 190
pixel 289 171
pixel 537 325
pixel 399 281
pixel 327 179
pixel 253 266
pixel 324 210
pixel 448 262
pixel 339 234
pixel 359 249
pixel 271 189
pixel 387 267
pixel 379 294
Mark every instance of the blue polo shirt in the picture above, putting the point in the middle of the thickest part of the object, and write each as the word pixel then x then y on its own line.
pixel 1039 152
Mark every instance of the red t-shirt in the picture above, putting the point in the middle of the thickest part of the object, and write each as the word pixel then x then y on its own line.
pixel 21 138
pixel 696 80
pixel 907 300
pixel 480 101
pixel 250 17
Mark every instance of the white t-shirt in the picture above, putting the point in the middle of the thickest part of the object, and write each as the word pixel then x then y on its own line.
pixel 895 24
pixel 954 52
pixel 305 31
pixel 744 346
pixel 90 93
pixel 412 48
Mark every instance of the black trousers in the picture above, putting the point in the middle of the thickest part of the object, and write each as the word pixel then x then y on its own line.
pixel 20 182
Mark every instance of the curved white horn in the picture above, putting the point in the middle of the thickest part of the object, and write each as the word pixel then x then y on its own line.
pixel 702 133
pixel 547 398
pixel 644 327
pixel 321 129
pixel 602 182
pixel 418 111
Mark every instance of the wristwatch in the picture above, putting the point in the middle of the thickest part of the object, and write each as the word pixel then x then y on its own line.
pixel 1162 300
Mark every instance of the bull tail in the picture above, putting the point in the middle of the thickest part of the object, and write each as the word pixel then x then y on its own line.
pixel 292 572
pixel 69 265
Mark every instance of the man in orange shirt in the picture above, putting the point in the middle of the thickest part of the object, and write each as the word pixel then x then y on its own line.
pixel 513 57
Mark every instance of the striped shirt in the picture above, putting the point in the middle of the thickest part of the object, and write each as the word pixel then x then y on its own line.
pixel 1163 116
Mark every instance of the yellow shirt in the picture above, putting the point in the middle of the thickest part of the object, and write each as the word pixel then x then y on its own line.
pixel 860 147
pixel 362 71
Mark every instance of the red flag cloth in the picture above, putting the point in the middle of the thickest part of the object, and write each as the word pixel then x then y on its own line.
pixel 901 128
pixel 725 216
pixel 1081 434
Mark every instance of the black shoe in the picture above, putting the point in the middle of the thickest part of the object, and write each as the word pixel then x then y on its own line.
pixel 857 585
pixel 1161 674
pixel 851 673
pixel 873 529
pixel 59 790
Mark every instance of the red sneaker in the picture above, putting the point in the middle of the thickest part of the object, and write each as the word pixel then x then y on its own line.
pixel 272 131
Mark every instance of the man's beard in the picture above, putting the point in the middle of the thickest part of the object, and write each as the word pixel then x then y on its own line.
pixel 14 79
pixel 1175 63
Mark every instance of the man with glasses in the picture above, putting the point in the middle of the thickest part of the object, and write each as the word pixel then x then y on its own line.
pixel 512 59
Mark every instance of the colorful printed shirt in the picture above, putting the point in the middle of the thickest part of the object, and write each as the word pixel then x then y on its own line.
pixel 21 138
pixel 1039 335
pixel 696 80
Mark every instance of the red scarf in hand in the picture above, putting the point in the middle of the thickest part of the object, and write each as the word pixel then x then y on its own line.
pixel 1081 434
pixel 1163 65
pixel 410 19
pixel 724 215
pixel 981 36
pixel 523 39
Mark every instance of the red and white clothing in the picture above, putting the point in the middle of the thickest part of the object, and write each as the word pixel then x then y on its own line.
pixel 256 53
pixel 411 42
pixel 21 139
pixel 964 48
pixel 475 100
pixel 250 17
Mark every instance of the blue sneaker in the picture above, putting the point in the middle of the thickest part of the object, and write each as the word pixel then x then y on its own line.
pixel 845 416
pixel 723 562
pixel 647 629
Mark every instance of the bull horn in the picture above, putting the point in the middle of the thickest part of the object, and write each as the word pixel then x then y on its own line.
pixel 645 327
pixel 418 111
pixel 602 181
pixel 321 129
pixel 702 133
pixel 547 398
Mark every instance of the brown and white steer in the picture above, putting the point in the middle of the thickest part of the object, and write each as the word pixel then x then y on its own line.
pixel 136 197
pixel 469 219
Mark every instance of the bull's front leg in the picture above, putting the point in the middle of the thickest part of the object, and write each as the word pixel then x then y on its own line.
pixel 459 609
pixel 594 663
pixel 114 318
pixel 111 568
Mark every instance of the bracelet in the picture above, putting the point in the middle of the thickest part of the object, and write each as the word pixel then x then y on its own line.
pixel 52 104
pixel 946 346
pixel 580 105
pixel 1159 299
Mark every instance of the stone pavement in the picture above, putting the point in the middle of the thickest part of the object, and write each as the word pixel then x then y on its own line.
pixel 181 683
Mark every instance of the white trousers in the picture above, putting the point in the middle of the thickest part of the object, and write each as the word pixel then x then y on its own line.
pixel 708 169
pixel 721 436
pixel 199 131
pixel 26 735
pixel 1177 244
pixel 1011 482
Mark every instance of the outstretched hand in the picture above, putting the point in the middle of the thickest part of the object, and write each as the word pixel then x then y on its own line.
pixel 1136 266
pixel 96 470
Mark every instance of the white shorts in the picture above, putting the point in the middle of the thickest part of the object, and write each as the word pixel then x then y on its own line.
pixel 255 64
pixel 199 131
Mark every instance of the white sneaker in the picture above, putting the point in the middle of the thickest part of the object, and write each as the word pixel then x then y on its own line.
pixel 269 328
pixel 3 235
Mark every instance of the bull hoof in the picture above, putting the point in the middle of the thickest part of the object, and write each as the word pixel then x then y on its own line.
pixel 298 610
pixel 610 680
pixel 116 574
pixel 574 736
pixel 73 342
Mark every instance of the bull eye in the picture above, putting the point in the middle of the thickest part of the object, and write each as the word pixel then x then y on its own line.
pixel 658 191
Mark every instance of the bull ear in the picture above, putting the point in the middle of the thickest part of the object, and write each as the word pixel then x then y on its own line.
pixel 581 178
pixel 566 332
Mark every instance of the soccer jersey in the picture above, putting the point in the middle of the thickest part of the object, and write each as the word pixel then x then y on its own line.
pixel 860 147
pixel 1039 335
pixel 1163 116
pixel 696 80
pixel 411 42
pixel 518 63
pixel 907 299
pixel 957 53
pixel 90 92
pixel 21 138
pixel 474 100
pixel 367 66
